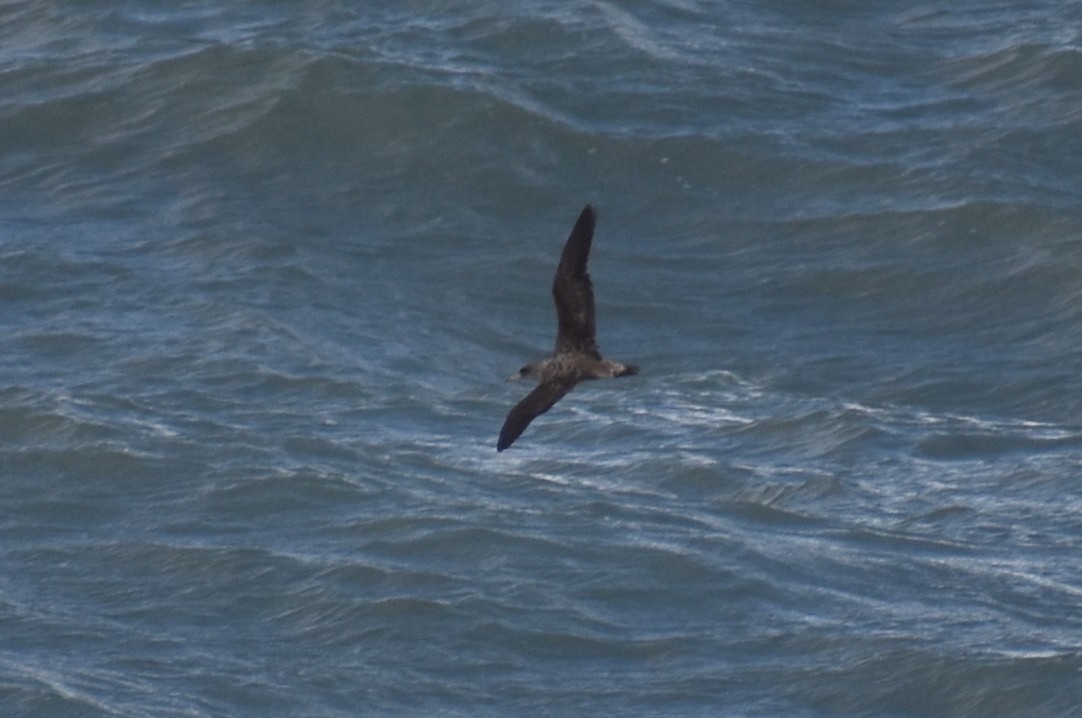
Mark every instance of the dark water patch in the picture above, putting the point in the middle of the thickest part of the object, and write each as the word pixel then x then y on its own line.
pixel 1005 686
pixel 969 446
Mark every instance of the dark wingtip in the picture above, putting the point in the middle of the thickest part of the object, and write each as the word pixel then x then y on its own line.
pixel 629 370
pixel 586 221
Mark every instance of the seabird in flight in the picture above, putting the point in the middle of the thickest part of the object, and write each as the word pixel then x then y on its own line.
pixel 576 356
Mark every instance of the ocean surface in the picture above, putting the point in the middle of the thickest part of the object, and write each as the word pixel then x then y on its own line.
pixel 264 267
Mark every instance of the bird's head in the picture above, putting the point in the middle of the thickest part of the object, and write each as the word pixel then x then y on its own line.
pixel 526 371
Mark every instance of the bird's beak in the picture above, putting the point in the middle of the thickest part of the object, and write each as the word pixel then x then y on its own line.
pixel 514 377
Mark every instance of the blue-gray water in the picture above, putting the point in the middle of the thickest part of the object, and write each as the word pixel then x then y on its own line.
pixel 264 267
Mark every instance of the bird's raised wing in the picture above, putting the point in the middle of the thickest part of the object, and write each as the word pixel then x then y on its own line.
pixel 537 402
pixel 573 291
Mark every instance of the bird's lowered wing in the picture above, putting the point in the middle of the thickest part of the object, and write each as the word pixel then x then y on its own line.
pixel 537 402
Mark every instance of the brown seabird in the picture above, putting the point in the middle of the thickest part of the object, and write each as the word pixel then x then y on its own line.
pixel 576 356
